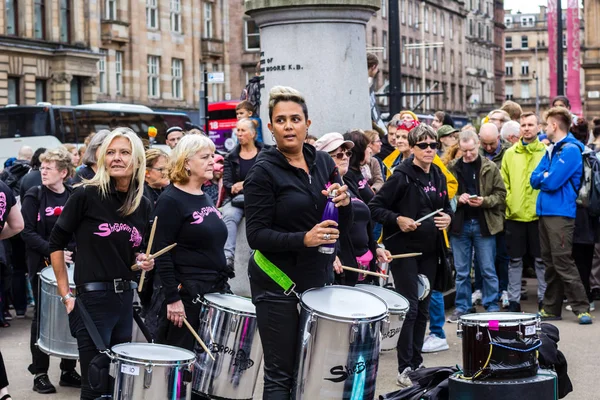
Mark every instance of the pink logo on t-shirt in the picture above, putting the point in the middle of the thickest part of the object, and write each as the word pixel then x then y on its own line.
pixel 135 238
pixel 107 229
pixel 2 205
pixel 204 212
pixel 362 183
pixel 54 211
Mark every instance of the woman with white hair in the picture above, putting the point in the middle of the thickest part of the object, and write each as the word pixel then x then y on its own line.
pixel 89 159
pixel 188 217
pixel 108 215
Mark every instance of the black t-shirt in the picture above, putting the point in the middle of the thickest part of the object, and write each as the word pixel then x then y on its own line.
pixel 245 166
pixel 359 234
pixel 7 201
pixel 426 181
pixel 193 222
pixel 470 173
pixel 107 242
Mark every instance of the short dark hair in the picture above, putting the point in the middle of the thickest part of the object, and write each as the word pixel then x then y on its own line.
pixel 561 115
pixel 420 133
pixel 361 142
pixel 245 105
pixel 372 60
pixel 581 130
pixel 530 114
pixel 35 162
pixel 564 99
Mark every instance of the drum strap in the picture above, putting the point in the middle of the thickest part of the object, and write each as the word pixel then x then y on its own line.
pixel 278 276
pixel 90 326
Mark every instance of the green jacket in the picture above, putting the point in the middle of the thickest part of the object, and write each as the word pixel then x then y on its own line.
pixel 491 188
pixel 497 159
pixel 518 164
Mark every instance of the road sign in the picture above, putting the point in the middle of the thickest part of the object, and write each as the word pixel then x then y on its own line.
pixel 216 77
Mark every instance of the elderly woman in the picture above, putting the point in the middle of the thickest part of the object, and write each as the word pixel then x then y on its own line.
pixel 41 208
pixel 72 149
pixel 89 159
pixel 286 192
pixel 157 174
pixel 374 165
pixel 237 164
pixel 416 189
pixel 108 216
pixel 188 217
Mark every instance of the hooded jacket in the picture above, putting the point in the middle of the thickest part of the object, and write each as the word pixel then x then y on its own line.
pixel 518 164
pixel 283 203
pixel 558 190
pixel 231 166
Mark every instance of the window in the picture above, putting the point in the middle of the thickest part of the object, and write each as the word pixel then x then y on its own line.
pixel 111 9
pixel 524 67
pixel 426 19
pixel 65 21
pixel 40 90
pixel 442 24
pixel 427 59
pixel 527 21
pixel 564 40
pixel 443 61
pixel 153 76
pixel 384 44
pixel 471 27
pixel 13 91
pixel 384 8
pixel 404 92
pixel 410 54
pixel 252 35
pixel 177 78
pixel 12 17
pixel 508 68
pixel 508 90
pixel 525 91
pixel 417 21
pixel 410 13
pixel 479 30
pixel 175 16
pixel 216 88
pixel 435 60
pixel 76 93
pixel 39 25
pixel 417 58
pixel 452 62
pixel 412 98
pixel 508 21
pixel 402 11
pixel 508 42
pixel 403 50
pixel 434 22
pixel 460 63
pixel 208 23
pixel 119 72
pixel 374 37
pixel 524 42
pixel 102 71
pixel 152 14
pixel 488 33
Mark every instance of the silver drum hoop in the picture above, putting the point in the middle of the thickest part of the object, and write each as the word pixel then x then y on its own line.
pixel 504 319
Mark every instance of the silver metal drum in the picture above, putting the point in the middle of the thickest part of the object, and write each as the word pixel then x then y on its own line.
pixel 148 371
pixel 228 327
pixel 397 306
pixel 338 352
pixel 54 333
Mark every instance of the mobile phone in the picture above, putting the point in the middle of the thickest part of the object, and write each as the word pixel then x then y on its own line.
pixel 473 196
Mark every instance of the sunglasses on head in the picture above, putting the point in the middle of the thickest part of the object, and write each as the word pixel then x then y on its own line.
pixel 341 154
pixel 423 146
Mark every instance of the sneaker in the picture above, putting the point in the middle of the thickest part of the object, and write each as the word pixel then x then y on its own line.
pixel 476 297
pixel 504 299
pixel 513 306
pixel 434 344
pixel 592 306
pixel 403 379
pixel 455 317
pixel 569 308
pixel 42 384
pixel 7 316
pixel 545 316
pixel 584 318
pixel 70 378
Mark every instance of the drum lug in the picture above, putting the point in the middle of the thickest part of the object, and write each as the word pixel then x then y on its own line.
pixel 478 335
pixel 234 322
pixel 148 376
pixel 459 330
pixel 353 333
pixel 385 326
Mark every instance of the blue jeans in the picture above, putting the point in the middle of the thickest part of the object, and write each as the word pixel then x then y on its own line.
pixel 232 216
pixel 485 254
pixel 436 314
pixel 502 260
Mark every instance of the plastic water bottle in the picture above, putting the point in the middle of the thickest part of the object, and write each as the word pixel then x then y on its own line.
pixel 330 213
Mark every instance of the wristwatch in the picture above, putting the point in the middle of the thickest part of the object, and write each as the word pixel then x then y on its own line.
pixel 67 297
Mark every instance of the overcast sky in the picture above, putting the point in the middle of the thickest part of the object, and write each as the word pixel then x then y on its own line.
pixel 528 5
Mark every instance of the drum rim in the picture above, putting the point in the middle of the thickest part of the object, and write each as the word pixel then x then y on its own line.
pixel 135 360
pixel 53 282
pixel 209 303
pixel 337 317
pixel 519 318
pixel 391 310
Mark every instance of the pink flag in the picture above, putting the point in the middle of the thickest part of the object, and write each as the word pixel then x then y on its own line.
pixel 573 57
pixel 551 13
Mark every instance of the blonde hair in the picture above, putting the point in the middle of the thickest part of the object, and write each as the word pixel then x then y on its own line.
pixel 187 147
pixel 138 162
pixel 152 156
pixel 249 123
pixel 61 157
pixel 286 93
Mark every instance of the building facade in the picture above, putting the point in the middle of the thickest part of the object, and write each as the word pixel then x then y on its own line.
pixel 527 66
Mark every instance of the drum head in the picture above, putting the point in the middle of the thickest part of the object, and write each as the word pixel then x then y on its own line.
pixel 47 275
pixel 152 352
pixel 501 317
pixel 395 302
pixel 231 302
pixel 343 302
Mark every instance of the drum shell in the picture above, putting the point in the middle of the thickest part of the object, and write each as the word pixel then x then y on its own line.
pixel 54 333
pixel 234 341
pixel 337 357
pixel 137 379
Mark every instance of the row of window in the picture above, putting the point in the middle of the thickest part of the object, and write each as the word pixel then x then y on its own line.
pixel 480 30
pixel 40 30
pixel 508 42
pixel 479 6
pixel 153 17
pixel 14 86
pixel 508 68
pixel 434 102
pixel 526 21
pixel 407 12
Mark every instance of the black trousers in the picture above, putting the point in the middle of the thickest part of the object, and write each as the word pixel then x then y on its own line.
pixel 112 313
pixel 40 361
pixel 583 255
pixel 175 336
pixel 3 377
pixel 410 341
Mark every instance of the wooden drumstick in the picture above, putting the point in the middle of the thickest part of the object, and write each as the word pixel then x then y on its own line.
pixel 135 267
pixel 185 321
pixel 361 271
pixel 148 249
pixel 405 255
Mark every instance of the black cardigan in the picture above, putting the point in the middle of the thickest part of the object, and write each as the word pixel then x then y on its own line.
pixel 231 166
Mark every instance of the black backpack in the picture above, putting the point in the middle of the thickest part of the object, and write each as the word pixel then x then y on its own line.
pixel 251 93
pixel 588 195
pixel 13 175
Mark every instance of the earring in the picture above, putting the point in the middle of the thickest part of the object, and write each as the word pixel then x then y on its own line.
pixel 272 136
pixel 188 172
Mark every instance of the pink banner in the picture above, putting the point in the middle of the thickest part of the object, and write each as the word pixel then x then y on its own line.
pixel 551 13
pixel 573 57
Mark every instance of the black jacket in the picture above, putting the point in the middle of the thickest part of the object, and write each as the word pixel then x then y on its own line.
pixel 231 166
pixel 403 195
pixel 552 358
pixel 282 203
pixel 33 178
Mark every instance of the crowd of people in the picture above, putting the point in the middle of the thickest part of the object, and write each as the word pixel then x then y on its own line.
pixel 498 202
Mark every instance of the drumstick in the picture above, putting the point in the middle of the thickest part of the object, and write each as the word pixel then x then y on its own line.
pixel 185 321
pixel 364 272
pixel 405 255
pixel 429 215
pixel 148 249
pixel 135 267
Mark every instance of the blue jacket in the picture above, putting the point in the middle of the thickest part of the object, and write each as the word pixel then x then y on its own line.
pixel 558 191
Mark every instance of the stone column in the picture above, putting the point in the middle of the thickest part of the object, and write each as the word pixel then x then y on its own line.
pixel 319 48
pixel 591 59
pixel 61 88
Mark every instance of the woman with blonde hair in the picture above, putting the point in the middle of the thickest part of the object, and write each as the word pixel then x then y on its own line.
pixel 188 217
pixel 72 149
pixel 108 216
pixel 157 174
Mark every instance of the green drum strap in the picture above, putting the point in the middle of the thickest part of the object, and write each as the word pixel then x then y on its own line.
pixel 278 276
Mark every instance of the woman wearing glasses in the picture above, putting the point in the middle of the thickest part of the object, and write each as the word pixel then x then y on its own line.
pixel 416 189
pixel 157 174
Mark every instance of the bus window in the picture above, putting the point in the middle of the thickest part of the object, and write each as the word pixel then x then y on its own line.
pixel 24 122
pixel 65 123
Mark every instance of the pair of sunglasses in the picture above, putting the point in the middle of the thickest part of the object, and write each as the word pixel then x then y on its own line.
pixel 408 125
pixel 423 146
pixel 341 154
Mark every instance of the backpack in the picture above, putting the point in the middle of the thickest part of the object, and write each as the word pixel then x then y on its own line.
pixel 13 175
pixel 588 195
pixel 251 93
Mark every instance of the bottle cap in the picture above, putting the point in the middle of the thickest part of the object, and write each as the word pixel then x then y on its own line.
pixel 333 194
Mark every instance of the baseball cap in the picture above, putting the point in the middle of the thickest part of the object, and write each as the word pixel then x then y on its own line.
pixel 331 141
pixel 445 130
